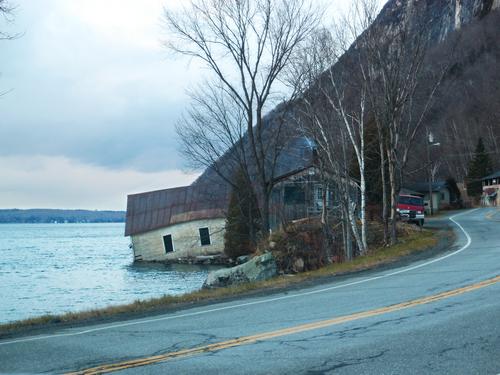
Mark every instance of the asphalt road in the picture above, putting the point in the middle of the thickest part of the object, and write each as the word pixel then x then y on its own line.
pixel 437 316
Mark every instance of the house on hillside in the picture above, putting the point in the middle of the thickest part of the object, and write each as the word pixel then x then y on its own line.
pixel 491 190
pixel 301 194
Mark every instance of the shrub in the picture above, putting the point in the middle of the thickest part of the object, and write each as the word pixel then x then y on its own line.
pixel 302 241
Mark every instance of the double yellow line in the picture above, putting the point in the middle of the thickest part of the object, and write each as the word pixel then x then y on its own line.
pixel 282 332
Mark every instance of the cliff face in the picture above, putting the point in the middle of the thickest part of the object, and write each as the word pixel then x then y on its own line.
pixel 462 34
pixel 436 18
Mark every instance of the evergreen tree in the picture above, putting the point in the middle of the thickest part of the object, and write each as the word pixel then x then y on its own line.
pixel 243 219
pixel 479 167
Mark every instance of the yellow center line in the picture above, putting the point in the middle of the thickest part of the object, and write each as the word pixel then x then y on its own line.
pixel 282 332
pixel 492 214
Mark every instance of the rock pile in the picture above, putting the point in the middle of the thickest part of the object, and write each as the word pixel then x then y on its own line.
pixel 258 268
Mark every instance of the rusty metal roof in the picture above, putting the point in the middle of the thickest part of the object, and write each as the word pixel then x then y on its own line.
pixel 161 208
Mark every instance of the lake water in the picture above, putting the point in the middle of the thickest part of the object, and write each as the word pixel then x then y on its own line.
pixel 56 268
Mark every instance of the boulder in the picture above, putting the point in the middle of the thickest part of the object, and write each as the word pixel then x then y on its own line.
pixel 258 268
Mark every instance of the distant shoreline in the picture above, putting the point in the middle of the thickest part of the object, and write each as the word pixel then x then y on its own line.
pixel 58 223
pixel 59 216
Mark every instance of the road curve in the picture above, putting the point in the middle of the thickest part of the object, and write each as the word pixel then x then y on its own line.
pixel 437 316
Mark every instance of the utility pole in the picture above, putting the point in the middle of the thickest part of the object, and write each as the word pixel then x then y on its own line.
pixel 429 143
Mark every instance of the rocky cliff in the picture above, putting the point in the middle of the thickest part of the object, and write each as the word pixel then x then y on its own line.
pixel 436 18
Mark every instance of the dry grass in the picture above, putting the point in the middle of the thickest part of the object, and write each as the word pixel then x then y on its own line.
pixel 414 242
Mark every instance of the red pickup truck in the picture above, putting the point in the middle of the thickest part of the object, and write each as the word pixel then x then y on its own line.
pixel 411 208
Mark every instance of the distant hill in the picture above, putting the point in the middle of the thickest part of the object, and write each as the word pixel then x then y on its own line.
pixel 60 216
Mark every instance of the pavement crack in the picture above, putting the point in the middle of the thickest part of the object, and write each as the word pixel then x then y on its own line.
pixel 330 366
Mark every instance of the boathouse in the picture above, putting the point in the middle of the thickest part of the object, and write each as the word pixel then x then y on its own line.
pixel 182 222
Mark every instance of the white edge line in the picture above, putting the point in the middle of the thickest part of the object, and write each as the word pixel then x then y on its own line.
pixel 128 324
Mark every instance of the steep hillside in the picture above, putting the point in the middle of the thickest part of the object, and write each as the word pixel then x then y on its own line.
pixel 462 35
pixel 468 102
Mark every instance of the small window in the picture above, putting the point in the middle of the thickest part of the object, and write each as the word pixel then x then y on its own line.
pixel 319 193
pixel 204 237
pixel 169 245
pixel 294 195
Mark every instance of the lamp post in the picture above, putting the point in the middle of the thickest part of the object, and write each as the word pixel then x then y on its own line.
pixel 429 143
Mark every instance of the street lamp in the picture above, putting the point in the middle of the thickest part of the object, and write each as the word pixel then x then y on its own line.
pixel 430 142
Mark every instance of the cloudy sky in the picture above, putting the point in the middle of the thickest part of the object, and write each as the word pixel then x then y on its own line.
pixel 91 104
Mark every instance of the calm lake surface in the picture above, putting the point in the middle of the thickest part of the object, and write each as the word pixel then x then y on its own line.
pixel 56 268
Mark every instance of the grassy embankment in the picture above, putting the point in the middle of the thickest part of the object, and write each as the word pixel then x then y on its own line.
pixel 414 243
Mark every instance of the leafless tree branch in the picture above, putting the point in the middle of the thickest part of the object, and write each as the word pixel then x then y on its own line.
pixel 246 45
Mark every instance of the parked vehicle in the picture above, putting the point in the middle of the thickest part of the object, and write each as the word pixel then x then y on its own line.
pixel 411 208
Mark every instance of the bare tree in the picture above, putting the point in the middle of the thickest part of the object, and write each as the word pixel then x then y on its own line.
pixel 399 99
pixel 212 133
pixel 343 91
pixel 6 11
pixel 352 108
pixel 322 120
pixel 324 127
pixel 381 77
pixel 212 137
pixel 246 44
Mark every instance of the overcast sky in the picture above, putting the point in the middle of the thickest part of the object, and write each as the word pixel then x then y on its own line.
pixel 91 106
